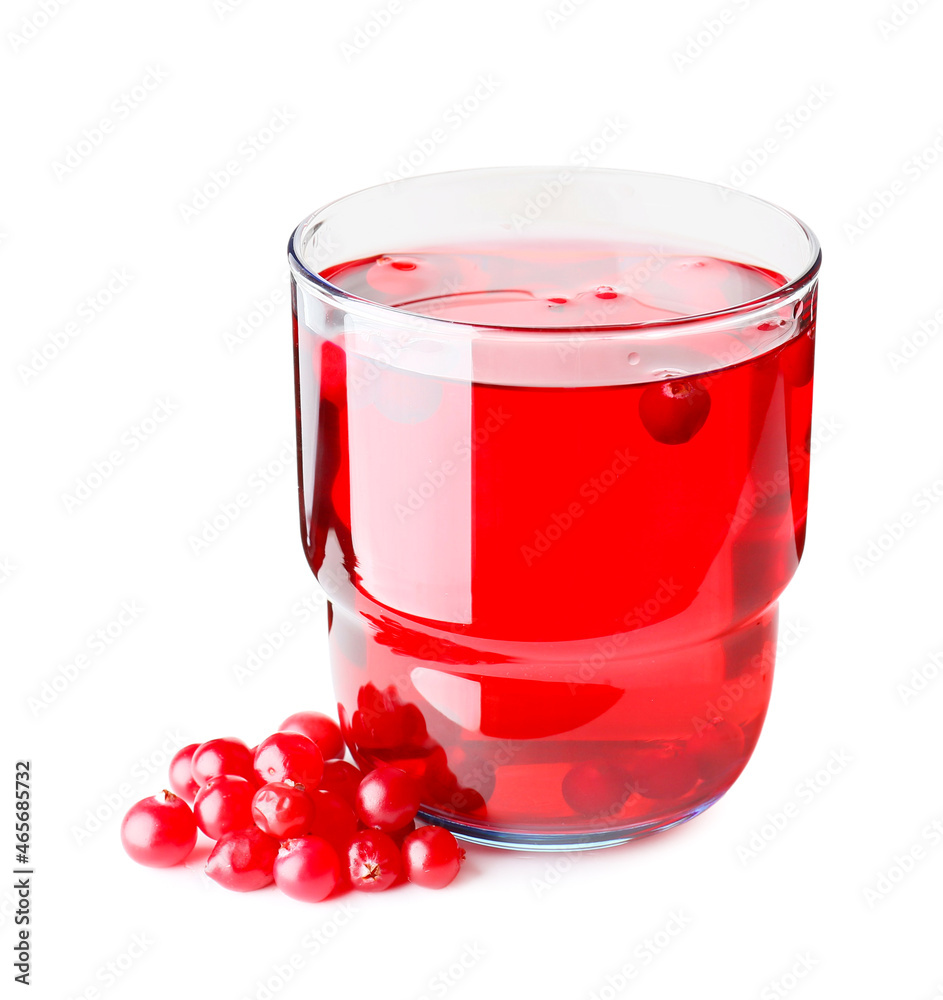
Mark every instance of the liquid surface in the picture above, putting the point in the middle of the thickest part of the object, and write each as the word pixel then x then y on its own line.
pixel 554 605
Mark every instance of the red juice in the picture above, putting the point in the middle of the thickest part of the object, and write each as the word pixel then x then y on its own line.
pixel 554 604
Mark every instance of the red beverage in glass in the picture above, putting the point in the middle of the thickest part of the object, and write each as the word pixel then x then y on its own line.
pixel 553 476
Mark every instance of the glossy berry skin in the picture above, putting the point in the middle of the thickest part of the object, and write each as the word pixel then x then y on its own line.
pixel 289 757
pixel 307 869
pixel 673 412
pixel 334 820
pixel 243 860
pixel 224 805
pixel 431 857
pixel 321 729
pixel 223 756
pixel 282 810
pixel 387 799
pixel 159 831
pixel 374 862
pixel 181 776
pixel 597 789
pixel 342 778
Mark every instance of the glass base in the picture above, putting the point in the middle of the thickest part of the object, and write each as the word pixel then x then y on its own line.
pixel 567 840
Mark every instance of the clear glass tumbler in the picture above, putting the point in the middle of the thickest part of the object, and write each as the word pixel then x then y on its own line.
pixel 553 447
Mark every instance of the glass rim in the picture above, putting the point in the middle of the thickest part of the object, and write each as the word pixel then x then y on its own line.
pixel 370 310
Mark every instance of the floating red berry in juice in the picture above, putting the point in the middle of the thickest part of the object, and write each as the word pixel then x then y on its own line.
pixel 673 412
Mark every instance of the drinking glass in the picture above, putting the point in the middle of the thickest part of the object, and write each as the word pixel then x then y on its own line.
pixel 553 435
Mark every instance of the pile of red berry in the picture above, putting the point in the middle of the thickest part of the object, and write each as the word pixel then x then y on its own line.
pixel 293 812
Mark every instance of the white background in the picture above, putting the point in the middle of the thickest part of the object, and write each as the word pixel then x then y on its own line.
pixel 528 925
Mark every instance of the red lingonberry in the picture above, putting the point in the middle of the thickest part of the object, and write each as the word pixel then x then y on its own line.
pixel 431 857
pixel 307 868
pixel 342 778
pixel 243 860
pixel 373 861
pixel 718 748
pixel 223 756
pixel 289 757
pixel 320 729
pixel 597 789
pixel 224 805
pixel 334 820
pixel 387 799
pixel 282 810
pixel 663 773
pixel 181 776
pixel 159 831
pixel 673 412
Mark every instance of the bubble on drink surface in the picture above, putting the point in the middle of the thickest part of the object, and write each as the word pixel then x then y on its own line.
pixel 633 357
pixel 400 278
pixel 406 397
pixel 557 300
pixel 605 292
